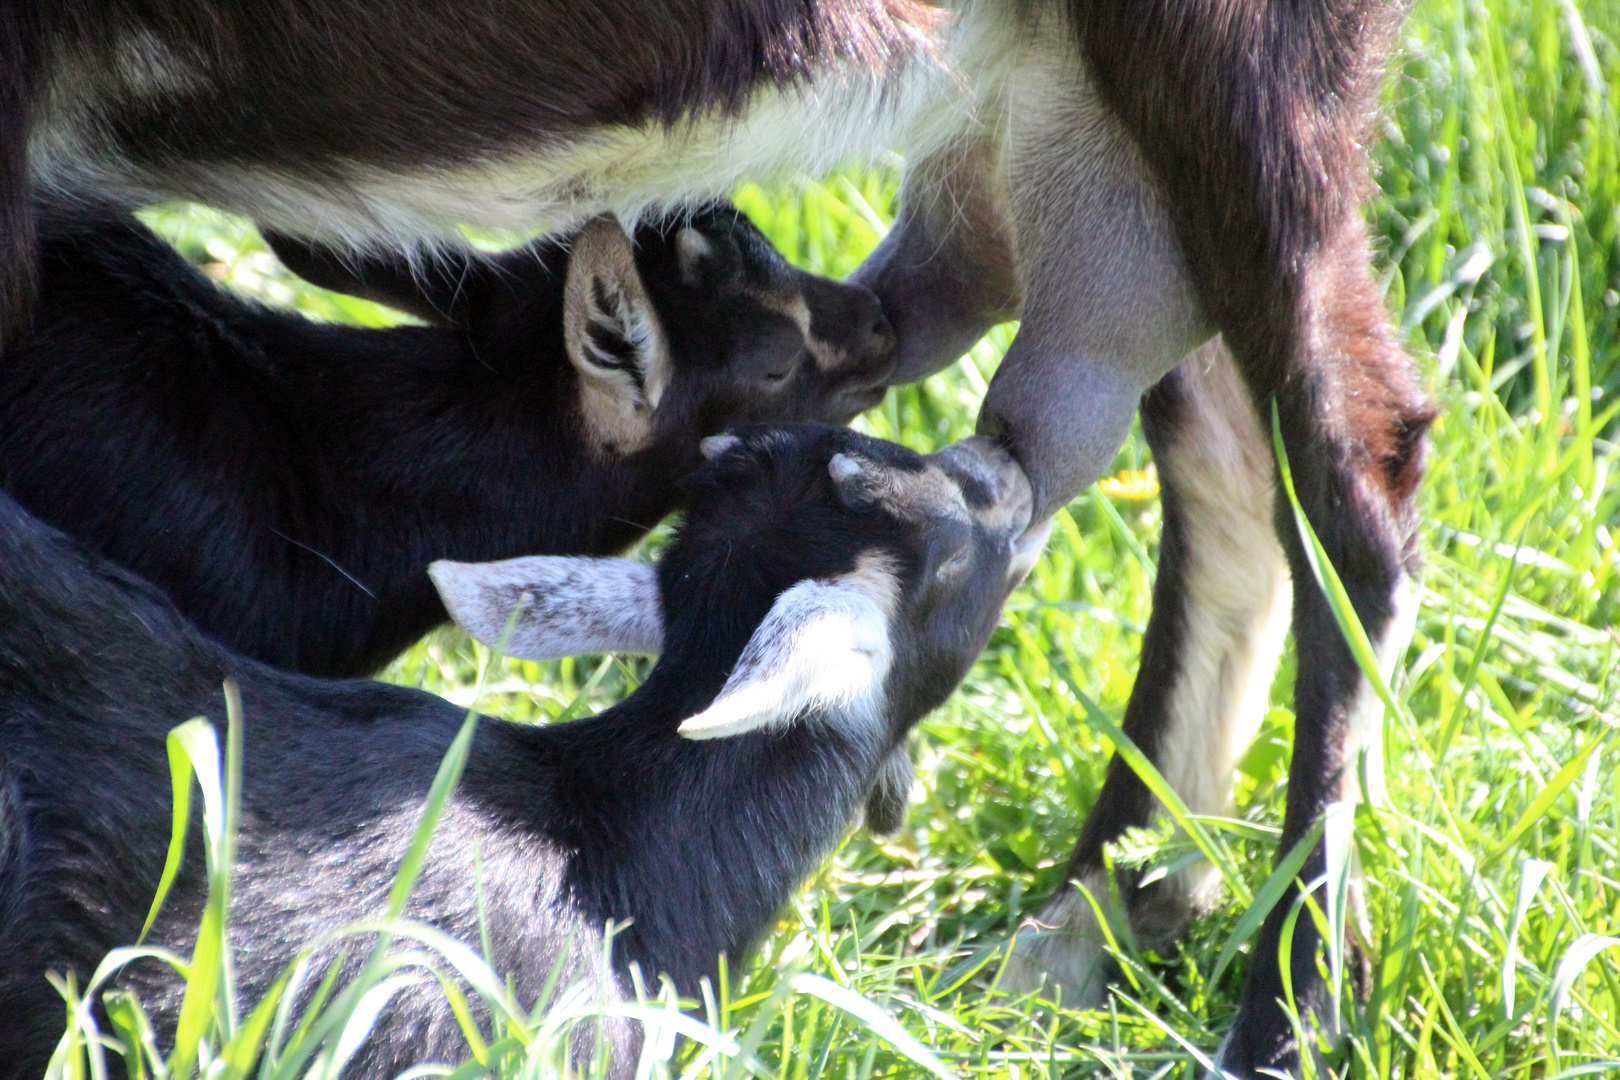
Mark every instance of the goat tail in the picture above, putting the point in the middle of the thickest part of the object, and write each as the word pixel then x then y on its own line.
pixel 19 76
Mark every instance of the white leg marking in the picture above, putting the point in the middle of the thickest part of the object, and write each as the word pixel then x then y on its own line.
pixel 1238 593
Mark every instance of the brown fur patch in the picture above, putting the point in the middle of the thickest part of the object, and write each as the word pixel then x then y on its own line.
pixel 1250 114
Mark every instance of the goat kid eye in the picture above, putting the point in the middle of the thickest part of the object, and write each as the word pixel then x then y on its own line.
pixel 780 375
pixel 952 566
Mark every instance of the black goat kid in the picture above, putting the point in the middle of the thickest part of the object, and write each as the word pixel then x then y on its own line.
pixel 826 591
pixel 287 482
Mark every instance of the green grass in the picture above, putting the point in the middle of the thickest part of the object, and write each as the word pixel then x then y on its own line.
pixel 1492 872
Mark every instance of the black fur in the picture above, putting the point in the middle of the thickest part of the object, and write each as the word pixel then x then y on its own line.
pixel 287 482
pixel 1249 113
pixel 19 77
pixel 611 817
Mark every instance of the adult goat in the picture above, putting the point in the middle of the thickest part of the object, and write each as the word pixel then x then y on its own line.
pixel 1131 176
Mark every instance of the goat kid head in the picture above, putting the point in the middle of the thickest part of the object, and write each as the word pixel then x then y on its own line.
pixel 693 324
pixel 821 576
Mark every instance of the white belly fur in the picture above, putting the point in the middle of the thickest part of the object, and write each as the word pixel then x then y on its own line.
pixel 844 117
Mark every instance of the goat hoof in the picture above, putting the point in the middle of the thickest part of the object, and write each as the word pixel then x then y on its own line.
pixel 1062 951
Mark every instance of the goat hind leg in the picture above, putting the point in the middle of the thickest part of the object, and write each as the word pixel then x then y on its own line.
pixel 1252 117
pixel 1352 423
pixel 1220 608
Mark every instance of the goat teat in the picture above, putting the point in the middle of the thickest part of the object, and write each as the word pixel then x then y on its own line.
pixel 853 580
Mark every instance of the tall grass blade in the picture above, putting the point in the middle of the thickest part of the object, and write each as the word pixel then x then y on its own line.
pixel 1338 845
pixel 208 975
pixel 1271 891
pixel 873 1019
pixel 1531 875
pixel 1555 787
pixel 1581 952
pixel 180 770
pixel 1213 849
pixel 361 1019
pixel 1327 579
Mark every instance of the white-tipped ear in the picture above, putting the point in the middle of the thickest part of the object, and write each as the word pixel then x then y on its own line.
pixel 843 468
pixel 858 480
pixel 715 445
pixel 823 645
pixel 569 606
pixel 613 337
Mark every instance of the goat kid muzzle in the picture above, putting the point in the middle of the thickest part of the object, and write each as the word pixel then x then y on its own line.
pixel 825 646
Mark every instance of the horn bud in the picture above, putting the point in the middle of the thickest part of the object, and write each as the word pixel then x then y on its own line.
pixel 716 445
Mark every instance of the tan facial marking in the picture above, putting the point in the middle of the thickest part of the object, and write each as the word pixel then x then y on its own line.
pixel 876 576
pixel 828 357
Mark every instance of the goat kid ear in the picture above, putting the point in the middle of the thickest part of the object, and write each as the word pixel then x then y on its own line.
pixel 613 336
pixel 434 287
pixel 824 645
pixel 568 606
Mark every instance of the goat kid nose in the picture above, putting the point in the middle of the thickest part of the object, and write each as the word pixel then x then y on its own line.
pixel 881 339
pixel 850 319
pixel 1011 499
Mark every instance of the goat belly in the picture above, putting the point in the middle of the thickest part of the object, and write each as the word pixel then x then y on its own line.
pixel 513 115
